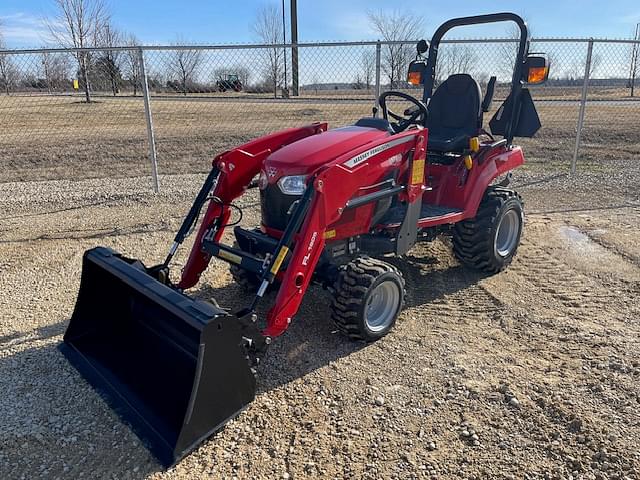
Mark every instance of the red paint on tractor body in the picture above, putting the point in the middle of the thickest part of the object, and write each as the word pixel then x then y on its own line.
pixel 310 153
pixel 344 164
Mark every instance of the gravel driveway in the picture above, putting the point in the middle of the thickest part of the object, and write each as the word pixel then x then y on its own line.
pixel 533 373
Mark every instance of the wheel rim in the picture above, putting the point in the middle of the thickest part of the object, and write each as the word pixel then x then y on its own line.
pixel 507 233
pixel 381 306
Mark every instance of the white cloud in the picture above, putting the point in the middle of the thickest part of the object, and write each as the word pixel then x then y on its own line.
pixel 630 18
pixel 22 29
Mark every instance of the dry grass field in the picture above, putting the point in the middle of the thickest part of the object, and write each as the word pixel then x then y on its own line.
pixel 44 137
pixel 559 331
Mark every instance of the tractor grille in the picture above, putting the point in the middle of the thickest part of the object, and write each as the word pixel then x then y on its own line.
pixel 274 206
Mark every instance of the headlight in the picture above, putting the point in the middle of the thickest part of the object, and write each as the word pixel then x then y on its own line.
pixel 293 185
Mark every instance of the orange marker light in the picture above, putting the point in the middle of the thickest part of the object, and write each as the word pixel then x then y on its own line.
pixel 414 78
pixel 537 74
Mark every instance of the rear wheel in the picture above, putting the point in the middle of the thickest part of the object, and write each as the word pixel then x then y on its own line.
pixel 489 241
pixel 368 297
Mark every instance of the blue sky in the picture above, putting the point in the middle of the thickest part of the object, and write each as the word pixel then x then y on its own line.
pixel 200 21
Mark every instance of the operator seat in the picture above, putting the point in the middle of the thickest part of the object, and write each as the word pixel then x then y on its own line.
pixel 455 114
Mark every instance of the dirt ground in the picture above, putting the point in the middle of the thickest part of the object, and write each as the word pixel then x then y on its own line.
pixel 532 373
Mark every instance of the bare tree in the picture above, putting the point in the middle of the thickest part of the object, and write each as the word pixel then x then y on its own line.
pixel 358 84
pixel 596 63
pixel 507 53
pixel 244 74
pixel 8 73
pixel 392 27
pixel 110 60
pixel 454 58
pixel 184 64
pixel 576 70
pixel 368 64
pixel 46 64
pixel 55 67
pixel 131 62
pixel 77 24
pixel 268 28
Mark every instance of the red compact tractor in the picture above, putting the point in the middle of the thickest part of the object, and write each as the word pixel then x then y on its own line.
pixel 335 203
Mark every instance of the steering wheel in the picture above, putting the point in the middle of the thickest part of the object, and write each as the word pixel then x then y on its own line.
pixel 411 114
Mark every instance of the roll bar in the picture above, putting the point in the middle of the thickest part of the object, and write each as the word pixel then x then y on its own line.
pixel 523 50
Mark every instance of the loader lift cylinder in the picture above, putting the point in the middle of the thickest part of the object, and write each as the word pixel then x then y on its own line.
pixel 194 213
pixel 284 245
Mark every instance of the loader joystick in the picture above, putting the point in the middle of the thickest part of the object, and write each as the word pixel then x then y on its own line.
pixel 413 115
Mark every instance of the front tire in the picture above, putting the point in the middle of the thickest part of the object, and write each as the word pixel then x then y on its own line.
pixel 489 241
pixel 368 298
pixel 248 281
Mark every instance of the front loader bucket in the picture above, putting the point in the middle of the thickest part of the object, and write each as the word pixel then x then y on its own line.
pixel 173 367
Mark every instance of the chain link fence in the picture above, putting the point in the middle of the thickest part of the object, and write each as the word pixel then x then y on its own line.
pixel 176 107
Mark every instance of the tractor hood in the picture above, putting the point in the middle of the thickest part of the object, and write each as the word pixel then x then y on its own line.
pixel 306 155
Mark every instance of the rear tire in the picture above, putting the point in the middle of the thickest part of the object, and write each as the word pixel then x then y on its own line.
pixel 369 295
pixel 489 241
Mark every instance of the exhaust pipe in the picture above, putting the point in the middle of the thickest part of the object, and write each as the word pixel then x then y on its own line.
pixel 175 368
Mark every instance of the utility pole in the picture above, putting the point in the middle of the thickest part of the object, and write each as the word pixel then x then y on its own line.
pixel 634 60
pixel 294 50
pixel 285 89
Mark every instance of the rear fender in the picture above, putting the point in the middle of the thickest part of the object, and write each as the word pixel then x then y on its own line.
pixel 459 188
pixel 481 176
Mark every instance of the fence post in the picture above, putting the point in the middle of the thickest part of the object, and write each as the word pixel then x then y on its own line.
pixel 378 55
pixel 153 156
pixel 583 105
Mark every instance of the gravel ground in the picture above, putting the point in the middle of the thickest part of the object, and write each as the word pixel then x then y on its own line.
pixel 533 373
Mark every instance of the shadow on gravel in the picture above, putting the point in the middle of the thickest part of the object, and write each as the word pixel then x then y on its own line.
pixel 310 343
pixel 54 426
pixel 546 179
pixel 584 209
pixel 426 282
pixel 93 234
pixel 15 339
pixel 66 430
pixel 51 212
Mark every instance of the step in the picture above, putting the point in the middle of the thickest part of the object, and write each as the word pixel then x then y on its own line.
pixel 395 215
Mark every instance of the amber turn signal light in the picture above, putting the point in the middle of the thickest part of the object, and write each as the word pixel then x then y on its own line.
pixel 537 75
pixel 414 78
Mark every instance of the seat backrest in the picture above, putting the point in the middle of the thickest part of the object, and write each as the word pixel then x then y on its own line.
pixel 454 108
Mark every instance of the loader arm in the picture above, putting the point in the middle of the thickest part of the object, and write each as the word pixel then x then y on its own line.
pixel 236 169
pixel 334 185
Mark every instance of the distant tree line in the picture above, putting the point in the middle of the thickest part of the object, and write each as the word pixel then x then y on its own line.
pixel 80 24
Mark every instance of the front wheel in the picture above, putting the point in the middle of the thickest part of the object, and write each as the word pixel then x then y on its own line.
pixel 369 295
pixel 489 241
pixel 248 281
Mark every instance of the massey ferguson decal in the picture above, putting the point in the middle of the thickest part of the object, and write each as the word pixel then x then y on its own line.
pixel 358 159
